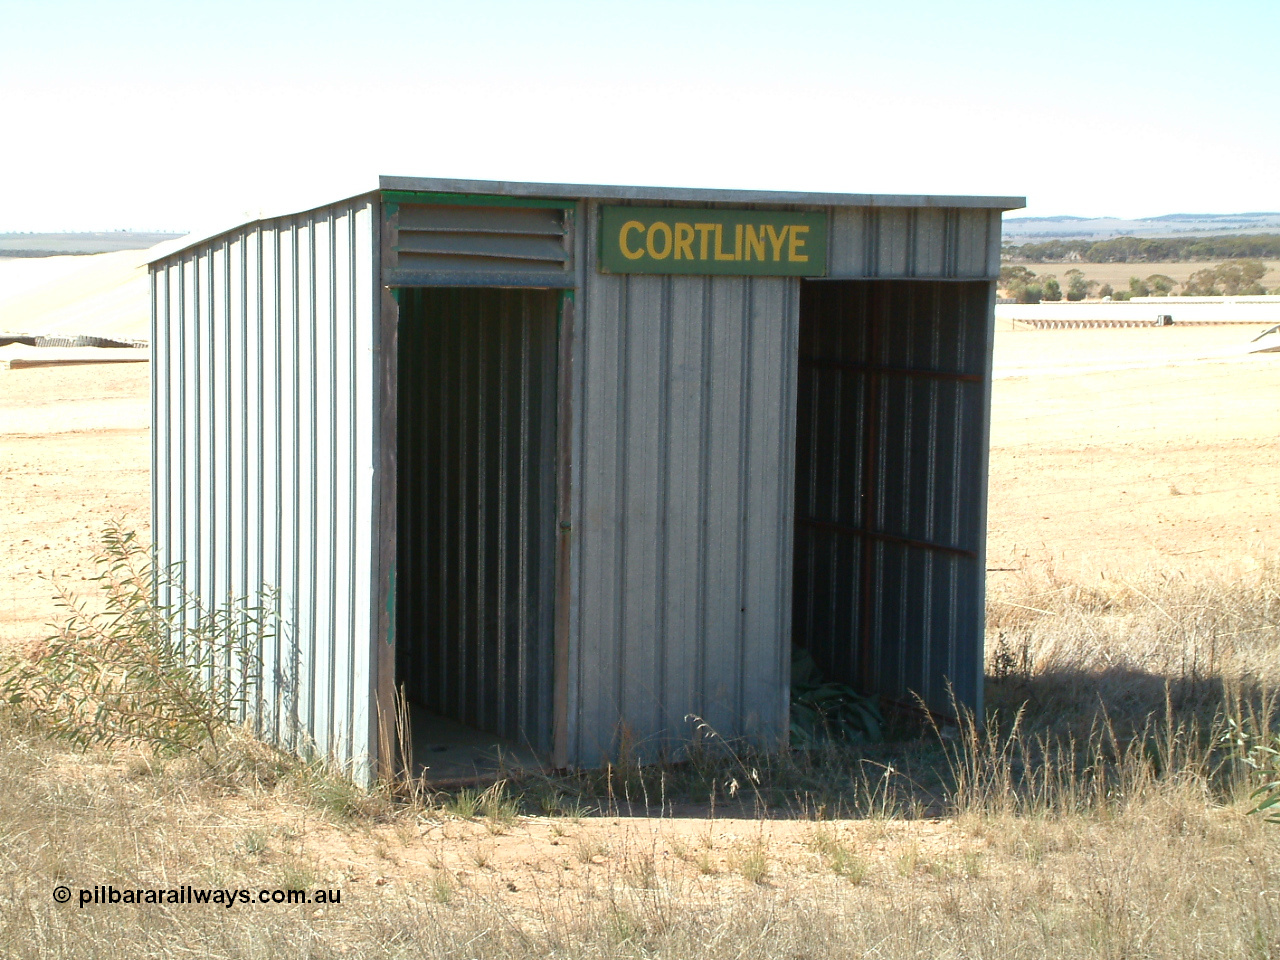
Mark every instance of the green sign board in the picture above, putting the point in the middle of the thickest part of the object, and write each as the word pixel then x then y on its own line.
pixel 739 243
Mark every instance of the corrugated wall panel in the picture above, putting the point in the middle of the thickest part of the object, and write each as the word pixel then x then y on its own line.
pixel 894 243
pixel 193 386
pixel 263 455
pixel 978 243
pixel 764 667
pixel 681 512
pixel 891 243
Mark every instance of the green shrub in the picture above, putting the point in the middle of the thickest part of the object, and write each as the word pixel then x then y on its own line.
pixel 823 711
pixel 174 677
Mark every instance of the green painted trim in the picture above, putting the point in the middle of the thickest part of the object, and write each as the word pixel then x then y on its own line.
pixel 475 200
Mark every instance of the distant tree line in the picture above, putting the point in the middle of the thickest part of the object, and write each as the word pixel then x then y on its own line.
pixel 1228 279
pixel 1148 250
pixel 1232 279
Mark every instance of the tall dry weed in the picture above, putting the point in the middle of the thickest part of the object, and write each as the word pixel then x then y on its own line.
pixel 1105 696
pixel 1118 649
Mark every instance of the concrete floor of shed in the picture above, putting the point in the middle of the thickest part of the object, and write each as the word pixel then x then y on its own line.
pixel 446 751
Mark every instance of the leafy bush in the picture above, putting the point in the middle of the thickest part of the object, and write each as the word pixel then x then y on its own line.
pixel 173 676
pixel 1263 758
pixel 823 711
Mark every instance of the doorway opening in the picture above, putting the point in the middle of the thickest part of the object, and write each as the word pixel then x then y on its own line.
pixel 890 486
pixel 832 475
pixel 476 531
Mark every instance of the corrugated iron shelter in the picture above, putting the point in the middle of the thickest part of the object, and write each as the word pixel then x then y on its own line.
pixel 569 464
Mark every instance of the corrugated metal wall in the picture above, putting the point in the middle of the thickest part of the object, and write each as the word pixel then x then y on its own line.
pixel 263 453
pixel 891 485
pixel 898 242
pixel 477 486
pixel 684 480
pixel 682 503
pixel 272 382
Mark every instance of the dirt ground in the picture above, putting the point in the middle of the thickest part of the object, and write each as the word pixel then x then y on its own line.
pixel 75 454
pixel 1112 451
pixel 1119 450
pixel 537 857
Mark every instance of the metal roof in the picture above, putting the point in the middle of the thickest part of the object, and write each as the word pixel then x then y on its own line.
pixel 581 191
pixel 573 191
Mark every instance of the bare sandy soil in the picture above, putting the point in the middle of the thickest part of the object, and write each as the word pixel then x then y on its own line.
pixel 74 455
pixel 1117 450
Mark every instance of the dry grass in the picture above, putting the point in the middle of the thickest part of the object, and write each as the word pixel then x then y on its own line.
pixel 1127 648
pixel 1105 818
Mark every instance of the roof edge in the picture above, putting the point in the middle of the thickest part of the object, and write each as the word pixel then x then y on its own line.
pixel 169 248
pixel 582 191
pixel 571 191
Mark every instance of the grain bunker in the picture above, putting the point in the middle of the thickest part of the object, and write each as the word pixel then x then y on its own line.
pixel 566 465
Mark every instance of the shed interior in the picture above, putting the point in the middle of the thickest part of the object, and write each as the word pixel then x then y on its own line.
pixel 890 463
pixel 476 495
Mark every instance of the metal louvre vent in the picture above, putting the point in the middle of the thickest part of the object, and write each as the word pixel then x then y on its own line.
pixel 447 245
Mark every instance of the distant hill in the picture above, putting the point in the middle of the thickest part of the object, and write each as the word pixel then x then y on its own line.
pixel 66 244
pixel 1168 225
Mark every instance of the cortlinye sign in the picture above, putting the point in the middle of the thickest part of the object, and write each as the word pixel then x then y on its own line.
pixel 676 240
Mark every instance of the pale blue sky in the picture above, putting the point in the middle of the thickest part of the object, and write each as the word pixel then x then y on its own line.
pixel 169 115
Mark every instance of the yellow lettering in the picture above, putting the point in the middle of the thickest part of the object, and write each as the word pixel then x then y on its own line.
pixel 684 241
pixel 776 240
pixel 622 239
pixel 737 242
pixel 720 254
pixel 793 251
pixel 704 229
pixel 654 228
pixel 755 243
